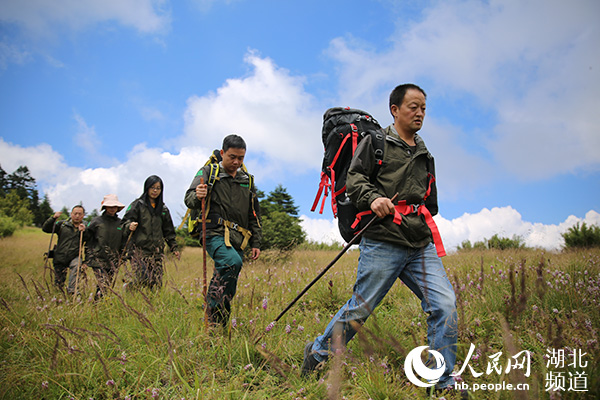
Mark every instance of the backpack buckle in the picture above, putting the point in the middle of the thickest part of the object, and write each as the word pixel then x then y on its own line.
pixel 234 226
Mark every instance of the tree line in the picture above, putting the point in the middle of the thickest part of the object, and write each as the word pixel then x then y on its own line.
pixel 579 236
pixel 20 203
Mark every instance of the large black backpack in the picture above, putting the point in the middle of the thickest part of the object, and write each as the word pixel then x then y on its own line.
pixel 343 129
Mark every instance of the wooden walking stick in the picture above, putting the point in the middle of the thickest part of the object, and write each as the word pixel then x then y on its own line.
pixel 48 254
pixel 204 289
pixel 78 262
pixel 114 279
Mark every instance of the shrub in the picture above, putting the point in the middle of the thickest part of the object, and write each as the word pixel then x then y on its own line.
pixel 7 226
pixel 502 243
pixel 185 239
pixel 582 236
pixel 16 208
pixel 495 242
pixel 281 231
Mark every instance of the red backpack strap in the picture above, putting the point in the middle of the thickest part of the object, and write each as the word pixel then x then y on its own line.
pixel 323 190
pixel 435 233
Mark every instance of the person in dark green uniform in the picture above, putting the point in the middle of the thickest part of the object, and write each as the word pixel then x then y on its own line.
pixel 66 254
pixel 104 242
pixel 233 223
pixel 150 221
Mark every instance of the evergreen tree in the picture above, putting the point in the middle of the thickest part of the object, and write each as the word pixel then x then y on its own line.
pixel 3 182
pixel 44 211
pixel 20 188
pixel 280 222
pixel 279 200
pixel 24 184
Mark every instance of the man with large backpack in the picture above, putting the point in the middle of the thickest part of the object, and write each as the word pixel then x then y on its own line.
pixel 232 222
pixel 403 244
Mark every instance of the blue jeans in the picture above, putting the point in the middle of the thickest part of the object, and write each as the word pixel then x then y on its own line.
pixel 379 265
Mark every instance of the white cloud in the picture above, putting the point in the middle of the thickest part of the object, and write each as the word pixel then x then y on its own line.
pixel 272 112
pixel 321 230
pixel 42 160
pixel 43 17
pixel 269 108
pixel 533 64
pixel 67 186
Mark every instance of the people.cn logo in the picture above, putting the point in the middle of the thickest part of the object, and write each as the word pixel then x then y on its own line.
pixel 414 365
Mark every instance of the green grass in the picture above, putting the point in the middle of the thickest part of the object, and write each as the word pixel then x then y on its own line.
pixel 145 345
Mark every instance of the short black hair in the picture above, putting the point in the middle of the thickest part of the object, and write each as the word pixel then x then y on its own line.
pixel 78 206
pixel 397 95
pixel 234 141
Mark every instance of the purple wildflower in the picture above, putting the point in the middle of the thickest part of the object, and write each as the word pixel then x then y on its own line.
pixel 539 337
pixel 270 326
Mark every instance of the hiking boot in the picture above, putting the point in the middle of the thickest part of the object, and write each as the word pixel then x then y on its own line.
pixel 310 363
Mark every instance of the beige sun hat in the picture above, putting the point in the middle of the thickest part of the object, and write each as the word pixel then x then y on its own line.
pixel 111 200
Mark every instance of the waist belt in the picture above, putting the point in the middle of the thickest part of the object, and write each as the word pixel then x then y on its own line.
pixel 401 209
pixel 232 225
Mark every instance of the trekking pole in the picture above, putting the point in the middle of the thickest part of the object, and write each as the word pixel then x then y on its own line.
pixel 78 263
pixel 49 249
pixel 114 279
pixel 340 254
pixel 204 290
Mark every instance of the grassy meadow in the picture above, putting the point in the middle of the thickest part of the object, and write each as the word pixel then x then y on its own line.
pixel 153 345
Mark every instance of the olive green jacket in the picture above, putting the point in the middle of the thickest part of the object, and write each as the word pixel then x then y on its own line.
pixel 67 246
pixel 404 171
pixel 153 230
pixel 104 241
pixel 231 199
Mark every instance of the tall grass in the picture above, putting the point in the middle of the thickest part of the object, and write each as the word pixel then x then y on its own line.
pixel 142 344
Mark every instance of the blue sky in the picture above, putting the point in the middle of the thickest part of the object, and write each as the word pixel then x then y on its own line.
pixel 95 96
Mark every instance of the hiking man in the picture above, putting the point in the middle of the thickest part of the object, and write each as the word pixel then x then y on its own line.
pixel 104 242
pixel 399 246
pixel 232 222
pixel 66 254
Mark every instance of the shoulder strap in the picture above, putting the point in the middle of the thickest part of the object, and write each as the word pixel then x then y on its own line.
pixel 378 142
